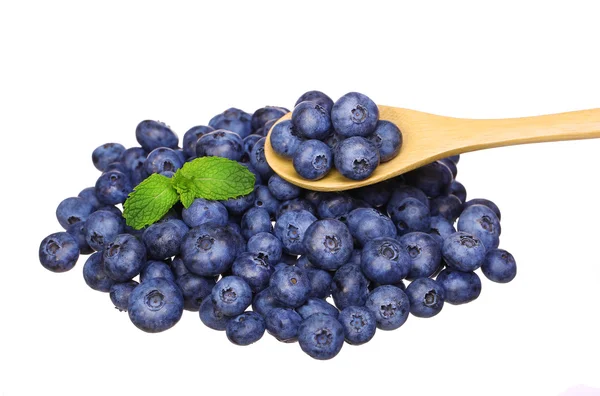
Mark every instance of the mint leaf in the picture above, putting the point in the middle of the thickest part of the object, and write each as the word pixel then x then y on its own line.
pixel 213 178
pixel 187 198
pixel 149 201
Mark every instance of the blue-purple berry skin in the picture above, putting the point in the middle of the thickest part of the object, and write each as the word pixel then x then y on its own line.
pixel 425 254
pixel 106 154
pixel 433 179
pixel 447 206
pixel 384 261
pixel 410 215
pixel 359 325
pixel 255 270
pixel 255 221
pixel 212 317
pixel 163 239
pixel 284 139
pixel 282 189
pixel 220 143
pixel 156 269
pixel 388 139
pixel 259 161
pixel 265 301
pixel 245 329
pixel 204 211
pixel 73 210
pixel 311 120
pixel 231 295
pixel 463 252
pixel 320 282
pixel 209 250
pixel 94 274
pixel 290 286
pixel 267 246
pixel 321 336
pixel 313 159
pixel 190 138
pixel 499 266
pixel 113 187
pixel 162 160
pixel 458 190
pixel 389 305
pixel 283 324
pixel 101 228
pixel 119 294
pixel 152 134
pixel 441 229
pixel 482 222
pixel 354 114
pixel 316 305
pixel 426 297
pixel 356 158
pixel 155 305
pixel 366 224
pixel 77 231
pixel 124 257
pixel 328 244
pixel 317 97
pixel 349 286
pixel 460 287
pixel 195 290
pixel 291 228
pixel 484 202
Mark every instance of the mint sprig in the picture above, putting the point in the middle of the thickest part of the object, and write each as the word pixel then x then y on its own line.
pixel 212 178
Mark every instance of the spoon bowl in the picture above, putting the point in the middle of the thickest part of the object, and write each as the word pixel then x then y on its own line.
pixel 429 137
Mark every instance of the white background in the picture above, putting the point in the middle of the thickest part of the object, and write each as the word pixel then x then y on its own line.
pixel 76 74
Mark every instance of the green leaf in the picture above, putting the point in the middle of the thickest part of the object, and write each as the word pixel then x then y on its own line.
pixel 187 198
pixel 214 178
pixel 149 201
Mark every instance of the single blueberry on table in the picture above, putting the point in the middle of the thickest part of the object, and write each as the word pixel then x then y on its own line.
pixel 320 282
pixel 153 134
pixel 313 159
pixel 316 305
pixel 162 160
pixel 265 246
pixel 447 206
pixel 133 158
pixel 101 228
pixel 321 336
pixel 441 229
pixel 354 114
pixel 356 158
pixel 106 154
pixel 484 202
pixel 283 324
pixel 335 205
pixel 231 295
pixel 204 211
pixel 77 231
pixel 113 187
pixel 282 189
pixel 155 305
pixel 290 286
pixel 238 206
pixel 384 261
pixel 220 143
pixel 425 254
pixel 458 190
pixel 460 287
pixel 259 161
pixel 317 97
pixel 291 227
pixel 410 215
pixel 426 297
pixel 265 200
pixel 388 139
pixel 245 329
pixel 212 317
pixel 163 239
pixel 433 179
pixel 328 244
pixel 124 257
pixel 295 204
pixel 349 286
pixel 255 270
pixel 89 194
pixel 389 305
pixel 255 221
pixel 499 266
pixel 265 114
pixel 73 210
pixel 285 139
pixel 209 250
pixel 156 269
pixel 311 120
pixel 358 323
pixel 463 252
pixel 265 301
pixel 94 274
pixel 120 292
pixel 482 222
pixel 191 137
pixel 195 290
pixel 366 224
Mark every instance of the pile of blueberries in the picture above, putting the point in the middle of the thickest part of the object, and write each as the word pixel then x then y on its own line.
pixel 346 134
pixel 317 268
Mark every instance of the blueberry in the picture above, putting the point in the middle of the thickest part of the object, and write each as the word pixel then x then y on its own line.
pixel 355 258
pixel 116 166
pixel 441 229
pixel 313 159
pixel 106 154
pixel 450 165
pixel 447 206
pixel 73 210
pixel 316 305
pixel 220 143
pixel 124 257
pixel 112 209
pixel 333 140
pixel 264 114
pixel 204 211
pixel 155 305
pixel 209 250
pixel 163 239
pixel 259 161
pixel 178 267
pixel 290 286
pixel 282 189
pixel 212 317
pixel 153 134
pixel 231 295
pixel 234 120
pixel 356 158
pixel 295 204
pixel 410 215
pixel 425 254
pixel 265 200
pixel 482 222
pixel 266 246
pixel 484 202
pixel 314 197
pixel 245 329
pixel 162 160
pixel 248 143
pixel 291 227
pixel 195 289
pixel 335 205
pixel 433 179
pixel 359 325
pixel 156 269
pixel 285 139
pixel 349 286
pixel 320 282
pixel 89 194
pixel 389 305
pixel 264 302
pixel 321 336
pixel 77 231
pixel 101 228
pixel 460 287
pixel 191 137
pixel 94 274
pixel 388 139
pixel 366 224
pixel 317 97
pixel 255 270
pixel 328 244
pixel 133 158
pixel 283 324
pixel 426 297
pixel 458 190
pixel 499 266
pixel 401 192
pixel 454 158
pixel 354 114
pixel 113 187
pixel 384 261
pixel 463 252
pixel 239 205
pixel 376 195
pixel 120 292
pixel 311 120
pixel 254 221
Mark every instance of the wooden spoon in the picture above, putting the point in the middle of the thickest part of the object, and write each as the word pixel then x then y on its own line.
pixel 429 137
